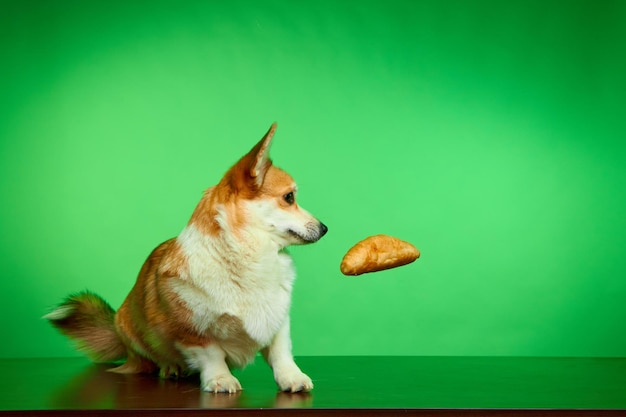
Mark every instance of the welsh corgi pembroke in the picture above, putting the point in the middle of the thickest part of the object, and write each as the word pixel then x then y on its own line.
pixel 211 298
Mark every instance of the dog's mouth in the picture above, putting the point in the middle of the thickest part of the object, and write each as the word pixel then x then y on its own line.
pixel 299 237
pixel 314 233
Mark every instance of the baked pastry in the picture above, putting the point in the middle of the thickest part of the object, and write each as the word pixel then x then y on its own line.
pixel 377 253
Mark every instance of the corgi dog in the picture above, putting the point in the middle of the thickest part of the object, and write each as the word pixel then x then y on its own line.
pixel 211 298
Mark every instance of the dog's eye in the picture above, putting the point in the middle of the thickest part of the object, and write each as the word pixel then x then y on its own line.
pixel 289 198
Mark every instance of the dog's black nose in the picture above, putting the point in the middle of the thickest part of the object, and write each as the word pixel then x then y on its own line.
pixel 323 229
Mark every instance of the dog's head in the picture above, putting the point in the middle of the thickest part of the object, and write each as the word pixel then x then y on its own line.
pixel 260 196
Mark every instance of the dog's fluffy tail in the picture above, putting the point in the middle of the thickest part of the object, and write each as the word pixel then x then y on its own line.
pixel 88 320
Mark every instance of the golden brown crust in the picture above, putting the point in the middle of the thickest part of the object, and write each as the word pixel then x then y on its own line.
pixel 377 253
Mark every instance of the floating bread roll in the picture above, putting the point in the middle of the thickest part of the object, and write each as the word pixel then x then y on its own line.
pixel 377 253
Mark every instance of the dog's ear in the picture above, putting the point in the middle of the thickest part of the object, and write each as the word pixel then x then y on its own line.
pixel 259 157
pixel 249 172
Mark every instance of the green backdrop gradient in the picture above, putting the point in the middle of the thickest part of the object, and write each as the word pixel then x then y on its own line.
pixel 491 134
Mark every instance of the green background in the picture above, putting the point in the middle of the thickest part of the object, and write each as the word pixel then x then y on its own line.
pixel 491 134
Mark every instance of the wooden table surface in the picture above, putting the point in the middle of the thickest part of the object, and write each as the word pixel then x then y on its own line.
pixel 469 386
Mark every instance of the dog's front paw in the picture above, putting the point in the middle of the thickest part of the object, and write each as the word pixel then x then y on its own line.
pixel 294 380
pixel 222 383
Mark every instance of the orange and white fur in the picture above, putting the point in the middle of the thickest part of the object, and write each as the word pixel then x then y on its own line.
pixel 214 296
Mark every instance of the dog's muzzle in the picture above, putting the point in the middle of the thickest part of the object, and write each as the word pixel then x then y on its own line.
pixel 314 232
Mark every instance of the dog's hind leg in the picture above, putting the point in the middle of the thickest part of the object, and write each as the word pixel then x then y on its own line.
pixel 135 364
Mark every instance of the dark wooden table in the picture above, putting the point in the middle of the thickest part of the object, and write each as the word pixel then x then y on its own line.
pixel 437 386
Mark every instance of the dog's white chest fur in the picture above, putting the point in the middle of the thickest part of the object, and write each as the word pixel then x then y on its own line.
pixel 252 283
